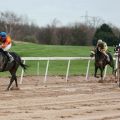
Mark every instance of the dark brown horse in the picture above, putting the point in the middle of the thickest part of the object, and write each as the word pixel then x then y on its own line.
pixel 101 62
pixel 12 67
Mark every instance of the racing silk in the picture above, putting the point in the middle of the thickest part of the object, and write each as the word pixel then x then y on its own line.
pixel 6 42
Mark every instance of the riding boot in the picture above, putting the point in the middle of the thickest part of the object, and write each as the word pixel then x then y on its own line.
pixel 10 58
pixel 108 58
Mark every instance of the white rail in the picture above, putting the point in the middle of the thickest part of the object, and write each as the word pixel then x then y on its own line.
pixel 48 59
pixel 56 58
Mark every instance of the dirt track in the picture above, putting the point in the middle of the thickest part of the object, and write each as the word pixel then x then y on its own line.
pixel 57 100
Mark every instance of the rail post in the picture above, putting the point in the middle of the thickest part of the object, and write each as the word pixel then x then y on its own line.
pixel 21 79
pixel 67 73
pixel 87 72
pixel 105 72
pixel 46 72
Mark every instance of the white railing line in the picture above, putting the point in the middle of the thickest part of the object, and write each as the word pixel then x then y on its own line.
pixel 59 58
pixel 56 58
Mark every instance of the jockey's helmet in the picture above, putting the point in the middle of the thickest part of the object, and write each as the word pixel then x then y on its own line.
pixel 3 35
pixel 99 41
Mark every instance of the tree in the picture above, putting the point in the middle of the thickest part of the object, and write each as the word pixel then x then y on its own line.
pixel 9 20
pixel 105 33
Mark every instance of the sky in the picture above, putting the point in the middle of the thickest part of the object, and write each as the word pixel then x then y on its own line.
pixel 43 12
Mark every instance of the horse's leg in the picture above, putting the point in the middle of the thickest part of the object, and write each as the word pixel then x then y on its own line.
pixel 15 78
pixel 95 74
pixel 114 71
pixel 11 81
pixel 16 81
pixel 15 88
pixel 101 74
pixel 13 73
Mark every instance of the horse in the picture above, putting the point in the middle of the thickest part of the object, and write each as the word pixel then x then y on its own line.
pixel 12 67
pixel 101 62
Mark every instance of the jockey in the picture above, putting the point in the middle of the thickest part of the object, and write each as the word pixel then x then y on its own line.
pixel 5 42
pixel 102 47
pixel 98 43
pixel 117 48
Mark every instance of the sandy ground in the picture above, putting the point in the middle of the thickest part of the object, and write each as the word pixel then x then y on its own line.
pixel 57 100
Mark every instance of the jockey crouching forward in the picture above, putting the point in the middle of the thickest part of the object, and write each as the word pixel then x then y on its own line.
pixel 102 47
pixel 5 42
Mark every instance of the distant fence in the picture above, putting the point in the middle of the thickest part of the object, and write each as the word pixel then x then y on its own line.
pixel 48 59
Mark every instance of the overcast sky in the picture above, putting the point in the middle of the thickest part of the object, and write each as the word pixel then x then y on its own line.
pixel 42 12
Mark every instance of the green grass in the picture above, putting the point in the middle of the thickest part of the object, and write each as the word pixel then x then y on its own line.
pixel 29 49
pixel 77 67
pixel 36 50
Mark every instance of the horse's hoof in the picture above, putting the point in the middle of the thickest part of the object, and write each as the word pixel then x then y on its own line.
pixel 100 81
pixel 15 88
pixel 7 90
pixel 96 76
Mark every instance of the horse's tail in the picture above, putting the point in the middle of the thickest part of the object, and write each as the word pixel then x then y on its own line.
pixel 23 65
pixel 111 63
pixel 19 60
pixel 111 59
pixel 110 56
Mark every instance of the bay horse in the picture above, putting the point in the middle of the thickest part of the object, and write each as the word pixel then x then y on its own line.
pixel 12 67
pixel 101 62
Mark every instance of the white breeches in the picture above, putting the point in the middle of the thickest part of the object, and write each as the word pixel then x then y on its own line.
pixel 7 47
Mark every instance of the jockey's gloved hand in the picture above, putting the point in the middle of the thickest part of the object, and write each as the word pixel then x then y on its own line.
pixel 92 53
